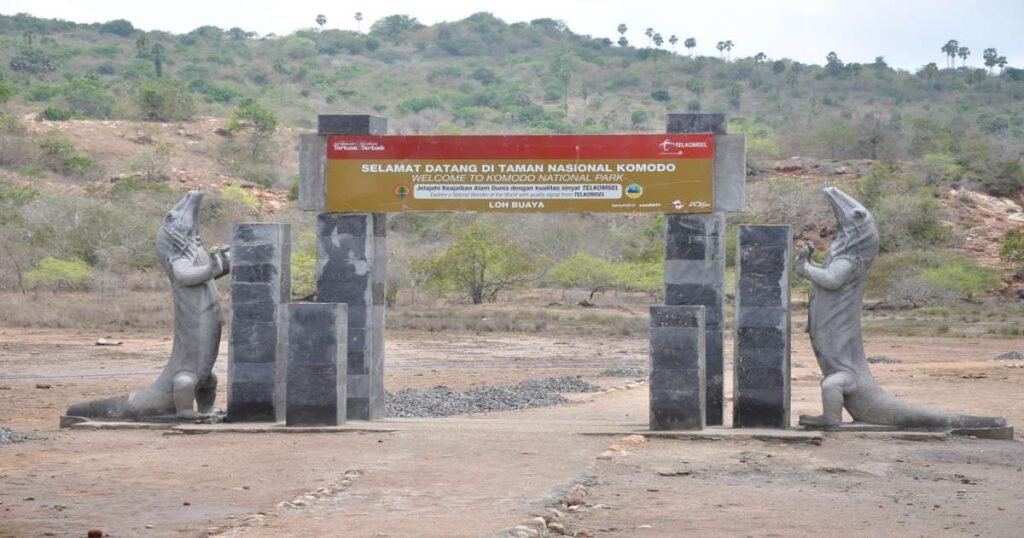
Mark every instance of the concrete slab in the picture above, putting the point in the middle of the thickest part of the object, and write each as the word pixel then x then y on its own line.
pixel 277 428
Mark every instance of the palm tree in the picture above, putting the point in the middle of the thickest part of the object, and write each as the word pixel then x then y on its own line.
pixel 950 49
pixel 650 35
pixel 658 41
pixel 690 43
pixel 359 22
pixel 623 41
pixel 760 57
pixel 622 29
pixel 963 53
pixel 321 20
pixel 991 57
pixel 721 47
pixel 728 49
pixel 672 40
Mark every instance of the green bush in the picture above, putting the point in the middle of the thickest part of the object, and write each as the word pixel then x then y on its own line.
pixel 88 98
pixel 59 275
pixel 581 270
pixel 42 92
pixel 1012 248
pixel 163 99
pixel 304 265
pixel 963 276
pixel 15 195
pixel 241 196
pixel 79 166
pixel 928 277
pixel 53 113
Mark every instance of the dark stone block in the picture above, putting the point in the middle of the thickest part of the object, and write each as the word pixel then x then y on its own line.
pixel 251 402
pixel 714 403
pixel 254 292
pixel 762 316
pixel 757 296
pixel 754 409
pixel 358 409
pixel 713 345
pixel 696 123
pixel 342 247
pixel 253 354
pixel 674 316
pixel 357 363
pixel 351 124
pixel 298 415
pixel 252 254
pixel 342 224
pixel 331 289
pixel 378 290
pixel 700 225
pixel 764 235
pixel 750 377
pixel 760 261
pixel 676 411
pixel 254 273
pixel 688 380
pixel 692 294
pixel 246 313
pixel 760 357
pixel 256 233
pixel 380 224
pixel 769 337
pixel 686 247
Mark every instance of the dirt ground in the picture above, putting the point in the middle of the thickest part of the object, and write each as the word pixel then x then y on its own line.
pixel 471 476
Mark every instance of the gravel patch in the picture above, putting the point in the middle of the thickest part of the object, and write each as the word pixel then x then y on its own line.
pixel 882 359
pixel 1009 356
pixel 442 401
pixel 8 436
pixel 626 371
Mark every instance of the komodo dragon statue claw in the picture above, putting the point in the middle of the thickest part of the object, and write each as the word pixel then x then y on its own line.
pixel 834 323
pixel 188 377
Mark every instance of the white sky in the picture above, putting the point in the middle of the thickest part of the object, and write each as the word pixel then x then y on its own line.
pixel 909 33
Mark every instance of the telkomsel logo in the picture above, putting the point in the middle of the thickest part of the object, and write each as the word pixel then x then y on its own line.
pixel 668 145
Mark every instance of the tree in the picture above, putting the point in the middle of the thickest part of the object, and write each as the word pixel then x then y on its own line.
pixel 359 22
pixel 696 87
pixel 658 40
pixel 6 92
pixel 950 49
pixel 259 122
pixel 582 270
pixel 650 36
pixel 158 59
pixel 721 48
pixel 141 47
pixel 321 20
pixel 392 26
pixel 735 93
pixel 119 27
pixel 623 41
pixel 728 49
pixel 760 57
pixel 963 53
pixel 672 40
pixel 480 264
pixel 163 99
pixel 992 59
pixel 622 29
pixel 690 43
pixel 833 65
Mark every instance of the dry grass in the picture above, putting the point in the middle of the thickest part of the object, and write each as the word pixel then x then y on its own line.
pixel 87 310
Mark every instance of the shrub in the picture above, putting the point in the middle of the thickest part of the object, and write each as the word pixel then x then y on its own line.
pixel 59 275
pixel 42 92
pixel 120 27
pixel 928 277
pixel 53 113
pixel 964 277
pixel 87 98
pixel 1012 248
pixel 304 265
pixel 79 166
pixel 163 99
pixel 241 196
pixel 582 270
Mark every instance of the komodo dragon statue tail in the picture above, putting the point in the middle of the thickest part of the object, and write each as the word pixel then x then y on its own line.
pixel 188 377
pixel 834 325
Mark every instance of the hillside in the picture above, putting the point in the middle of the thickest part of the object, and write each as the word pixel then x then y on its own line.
pixel 108 124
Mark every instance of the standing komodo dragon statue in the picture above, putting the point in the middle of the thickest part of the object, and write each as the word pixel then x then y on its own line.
pixel 188 377
pixel 834 323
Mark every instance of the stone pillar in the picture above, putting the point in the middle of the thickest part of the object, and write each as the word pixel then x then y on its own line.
pixel 677 389
pixel 695 262
pixel 761 389
pixel 351 264
pixel 317 364
pixel 695 275
pixel 260 285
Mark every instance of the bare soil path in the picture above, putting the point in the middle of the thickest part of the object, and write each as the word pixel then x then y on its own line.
pixel 469 476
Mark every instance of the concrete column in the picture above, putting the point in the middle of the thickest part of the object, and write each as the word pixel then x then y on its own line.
pixel 761 389
pixel 317 364
pixel 695 250
pixel 260 285
pixel 351 264
pixel 695 275
pixel 677 389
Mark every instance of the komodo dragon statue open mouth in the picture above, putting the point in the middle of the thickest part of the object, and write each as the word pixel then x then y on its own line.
pixel 834 325
pixel 187 386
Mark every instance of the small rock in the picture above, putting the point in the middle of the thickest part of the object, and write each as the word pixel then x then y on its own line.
pixel 1009 356
pixel 186 503
pixel 94 533
pixel 107 342
pixel 44 386
pixel 149 526
pixel 556 528
pixel 882 359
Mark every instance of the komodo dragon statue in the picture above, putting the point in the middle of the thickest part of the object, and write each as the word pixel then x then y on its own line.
pixel 834 323
pixel 188 377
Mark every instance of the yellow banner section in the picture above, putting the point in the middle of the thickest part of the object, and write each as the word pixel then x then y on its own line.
pixel 626 186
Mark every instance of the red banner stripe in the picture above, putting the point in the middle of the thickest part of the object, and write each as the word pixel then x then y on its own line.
pixel 522 147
